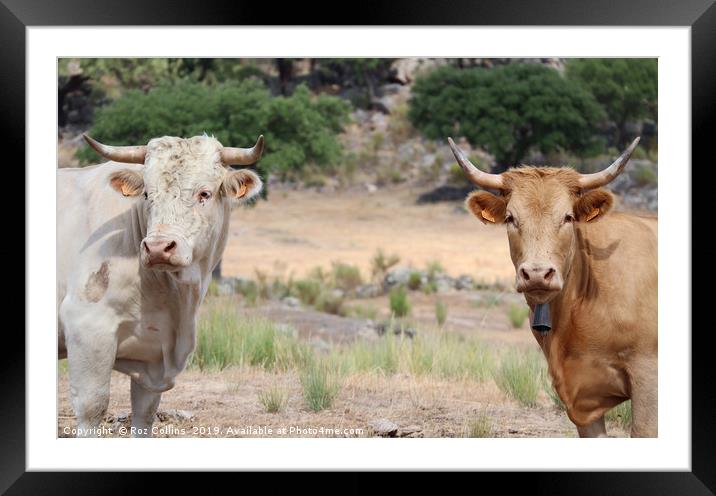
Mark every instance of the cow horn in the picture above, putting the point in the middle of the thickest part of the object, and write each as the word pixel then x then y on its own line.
pixel 243 156
pixel 128 154
pixel 484 179
pixel 588 181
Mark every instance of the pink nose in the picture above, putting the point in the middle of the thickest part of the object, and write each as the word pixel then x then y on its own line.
pixel 159 249
pixel 536 274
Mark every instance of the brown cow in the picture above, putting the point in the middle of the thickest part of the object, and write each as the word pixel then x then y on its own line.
pixel 596 271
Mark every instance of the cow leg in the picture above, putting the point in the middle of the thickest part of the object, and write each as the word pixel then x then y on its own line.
pixel 144 407
pixel 644 399
pixel 90 356
pixel 595 429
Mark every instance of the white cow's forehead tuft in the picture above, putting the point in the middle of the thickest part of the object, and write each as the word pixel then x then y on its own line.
pixel 197 155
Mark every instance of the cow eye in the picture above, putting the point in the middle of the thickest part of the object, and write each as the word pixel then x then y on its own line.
pixel 204 196
pixel 509 219
pixel 146 197
pixel 568 218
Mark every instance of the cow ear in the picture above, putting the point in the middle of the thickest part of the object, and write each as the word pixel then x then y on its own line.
pixel 593 205
pixel 128 182
pixel 486 207
pixel 241 184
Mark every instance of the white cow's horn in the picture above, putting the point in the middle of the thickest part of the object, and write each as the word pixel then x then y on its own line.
pixel 243 156
pixel 128 154
pixel 587 181
pixel 484 179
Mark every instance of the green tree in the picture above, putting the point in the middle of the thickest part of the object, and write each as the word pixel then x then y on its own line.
pixel 627 88
pixel 299 129
pixel 508 110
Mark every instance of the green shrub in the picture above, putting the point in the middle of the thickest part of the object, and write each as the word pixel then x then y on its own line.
pixel 330 302
pixel 517 314
pixel 507 110
pixel 626 87
pixel 440 312
pixel 273 399
pixel 381 263
pixel 307 290
pixel 249 290
pixel 321 385
pixel 299 129
pixel 415 279
pixel 346 277
pixel 433 269
pixel 644 175
pixel 399 304
pixel 520 376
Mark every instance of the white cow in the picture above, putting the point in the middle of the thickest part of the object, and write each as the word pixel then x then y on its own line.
pixel 138 238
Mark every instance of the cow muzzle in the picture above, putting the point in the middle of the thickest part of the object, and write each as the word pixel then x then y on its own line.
pixel 540 282
pixel 164 253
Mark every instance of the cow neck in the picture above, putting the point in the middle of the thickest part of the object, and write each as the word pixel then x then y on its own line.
pixel 579 283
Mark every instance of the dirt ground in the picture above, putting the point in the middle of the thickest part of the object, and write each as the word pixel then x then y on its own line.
pixel 226 404
pixel 298 230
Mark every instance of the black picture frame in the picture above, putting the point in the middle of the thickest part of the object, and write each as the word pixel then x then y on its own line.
pixel 700 15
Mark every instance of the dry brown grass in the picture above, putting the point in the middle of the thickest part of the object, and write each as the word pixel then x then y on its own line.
pixel 420 406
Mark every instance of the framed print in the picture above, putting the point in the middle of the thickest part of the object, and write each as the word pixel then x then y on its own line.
pixel 438 225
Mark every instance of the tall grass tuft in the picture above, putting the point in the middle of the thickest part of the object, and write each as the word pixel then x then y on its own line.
pixel 520 375
pixel 307 290
pixel 381 263
pixel 399 304
pixel 346 277
pixel 225 339
pixel 321 384
pixel 550 391
pixel 459 358
pixel 479 426
pixel 517 315
pixel 273 399
pixel 621 415
pixel 440 312
pixel 381 356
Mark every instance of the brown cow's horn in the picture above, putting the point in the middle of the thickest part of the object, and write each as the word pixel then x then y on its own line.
pixel 587 181
pixel 243 156
pixel 484 179
pixel 128 154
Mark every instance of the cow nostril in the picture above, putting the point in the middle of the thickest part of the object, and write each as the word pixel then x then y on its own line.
pixel 170 247
pixel 548 275
pixel 525 275
pixel 146 248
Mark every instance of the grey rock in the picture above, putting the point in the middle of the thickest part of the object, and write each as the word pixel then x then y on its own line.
pixel 410 431
pixel 174 414
pixel 371 188
pixel 428 159
pixel 225 287
pixel 291 301
pixel 368 291
pixel 464 281
pixel 400 275
pixel 444 283
pixel 383 428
